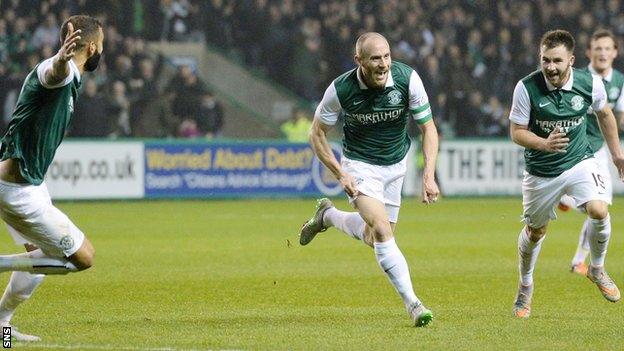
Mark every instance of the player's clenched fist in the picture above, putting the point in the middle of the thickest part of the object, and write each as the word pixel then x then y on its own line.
pixel 556 141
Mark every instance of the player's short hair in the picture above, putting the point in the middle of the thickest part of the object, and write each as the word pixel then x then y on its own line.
pixel 602 33
pixel 554 38
pixel 362 38
pixel 88 25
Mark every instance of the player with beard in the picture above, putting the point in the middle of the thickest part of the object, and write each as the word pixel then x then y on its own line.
pixel 54 244
pixel 376 100
pixel 548 119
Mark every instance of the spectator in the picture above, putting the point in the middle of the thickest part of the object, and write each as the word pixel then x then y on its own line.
pixel 151 116
pixel 210 117
pixel 47 33
pixel 91 118
pixel 297 128
pixel 118 107
pixel 185 91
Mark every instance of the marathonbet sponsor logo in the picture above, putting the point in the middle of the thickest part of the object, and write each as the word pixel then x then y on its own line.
pixel 565 125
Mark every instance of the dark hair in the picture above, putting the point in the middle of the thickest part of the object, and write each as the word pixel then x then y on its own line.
pixel 602 33
pixel 89 26
pixel 558 37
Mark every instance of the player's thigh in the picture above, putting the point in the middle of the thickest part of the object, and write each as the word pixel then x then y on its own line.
pixel 587 181
pixel 30 213
pixel 373 212
pixel 539 197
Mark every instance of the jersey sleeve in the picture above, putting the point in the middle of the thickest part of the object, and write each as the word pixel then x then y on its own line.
pixel 521 106
pixel 329 109
pixel 599 94
pixel 619 103
pixel 418 100
pixel 47 65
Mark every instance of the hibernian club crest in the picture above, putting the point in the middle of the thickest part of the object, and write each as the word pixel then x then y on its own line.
pixel 394 97
pixel 614 93
pixel 577 103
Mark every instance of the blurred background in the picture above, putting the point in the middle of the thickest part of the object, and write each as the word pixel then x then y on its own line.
pixel 211 70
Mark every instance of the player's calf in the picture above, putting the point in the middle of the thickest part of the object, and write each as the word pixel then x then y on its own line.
pixel 83 258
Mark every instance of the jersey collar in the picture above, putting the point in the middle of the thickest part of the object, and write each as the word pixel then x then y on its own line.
pixel 567 86
pixel 73 67
pixel 389 81
pixel 607 78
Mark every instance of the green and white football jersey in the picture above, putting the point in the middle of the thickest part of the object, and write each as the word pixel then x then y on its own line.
pixel 375 120
pixel 614 86
pixel 542 107
pixel 39 121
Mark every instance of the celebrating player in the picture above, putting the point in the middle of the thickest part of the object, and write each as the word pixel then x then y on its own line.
pixel 376 100
pixel 548 120
pixel 44 108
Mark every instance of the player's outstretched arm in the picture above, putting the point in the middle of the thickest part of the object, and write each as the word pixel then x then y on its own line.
pixel 608 127
pixel 430 152
pixel 60 69
pixel 556 141
pixel 322 149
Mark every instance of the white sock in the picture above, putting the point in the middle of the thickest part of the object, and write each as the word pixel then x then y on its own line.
pixel 599 240
pixel 350 223
pixel 393 263
pixel 36 262
pixel 583 245
pixel 20 288
pixel 527 252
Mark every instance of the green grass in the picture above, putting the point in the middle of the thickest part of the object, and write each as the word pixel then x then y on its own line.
pixel 231 275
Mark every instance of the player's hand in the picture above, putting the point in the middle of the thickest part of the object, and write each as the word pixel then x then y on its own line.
pixel 348 184
pixel 430 191
pixel 68 49
pixel 556 141
pixel 619 164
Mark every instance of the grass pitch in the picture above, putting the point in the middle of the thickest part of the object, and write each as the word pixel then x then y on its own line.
pixel 180 275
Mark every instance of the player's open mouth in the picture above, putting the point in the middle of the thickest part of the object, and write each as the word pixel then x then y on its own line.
pixel 553 75
pixel 380 75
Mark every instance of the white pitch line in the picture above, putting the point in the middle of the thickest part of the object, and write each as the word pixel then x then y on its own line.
pixel 104 347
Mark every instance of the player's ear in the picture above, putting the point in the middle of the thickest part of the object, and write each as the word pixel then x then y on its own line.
pixel 357 60
pixel 572 60
pixel 92 49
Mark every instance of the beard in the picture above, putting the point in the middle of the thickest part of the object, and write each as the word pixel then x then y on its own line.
pixel 92 62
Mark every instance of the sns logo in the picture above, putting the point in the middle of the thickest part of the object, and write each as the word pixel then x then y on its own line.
pixel 71 105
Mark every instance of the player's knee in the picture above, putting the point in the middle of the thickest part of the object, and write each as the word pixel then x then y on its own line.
pixel 83 258
pixel 83 262
pixel 535 234
pixel 597 209
pixel 381 230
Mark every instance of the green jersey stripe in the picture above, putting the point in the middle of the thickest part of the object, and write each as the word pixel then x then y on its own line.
pixel 420 108
pixel 424 120
pixel 422 114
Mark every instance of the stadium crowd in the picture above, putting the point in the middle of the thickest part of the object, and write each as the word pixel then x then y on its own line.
pixel 469 53
pixel 125 98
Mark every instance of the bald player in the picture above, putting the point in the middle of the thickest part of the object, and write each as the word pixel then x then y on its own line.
pixel 376 100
